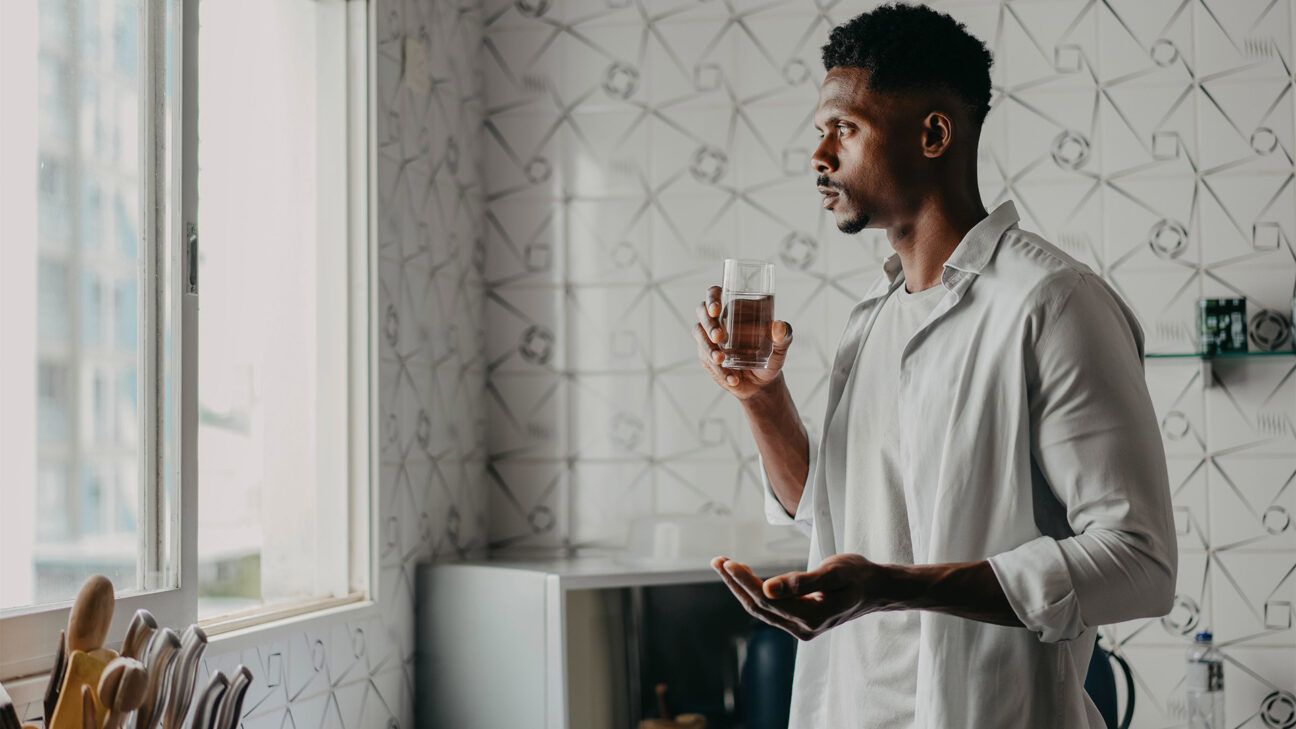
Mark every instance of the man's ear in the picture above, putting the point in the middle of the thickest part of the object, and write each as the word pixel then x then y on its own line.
pixel 938 134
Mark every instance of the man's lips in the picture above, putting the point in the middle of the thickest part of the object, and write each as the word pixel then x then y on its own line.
pixel 830 196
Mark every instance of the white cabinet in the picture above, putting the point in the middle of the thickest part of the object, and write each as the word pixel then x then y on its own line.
pixel 537 644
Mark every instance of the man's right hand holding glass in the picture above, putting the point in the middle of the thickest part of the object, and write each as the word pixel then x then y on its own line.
pixel 710 337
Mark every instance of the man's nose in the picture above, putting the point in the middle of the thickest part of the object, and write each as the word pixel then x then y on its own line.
pixel 823 160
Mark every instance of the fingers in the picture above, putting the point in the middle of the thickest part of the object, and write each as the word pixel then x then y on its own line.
pixel 713 300
pixel 797 584
pixel 707 350
pixel 755 607
pixel 708 312
pixel 711 357
pixel 781 333
pixel 751 585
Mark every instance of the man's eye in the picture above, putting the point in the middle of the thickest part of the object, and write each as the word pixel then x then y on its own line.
pixel 843 129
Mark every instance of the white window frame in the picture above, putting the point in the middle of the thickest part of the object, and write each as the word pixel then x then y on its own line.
pixel 28 636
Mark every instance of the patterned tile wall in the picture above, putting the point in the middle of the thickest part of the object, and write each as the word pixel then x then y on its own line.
pixel 629 145
pixel 431 376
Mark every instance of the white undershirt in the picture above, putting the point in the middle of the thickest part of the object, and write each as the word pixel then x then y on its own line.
pixel 873 660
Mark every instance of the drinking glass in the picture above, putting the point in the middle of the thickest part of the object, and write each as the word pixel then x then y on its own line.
pixel 746 312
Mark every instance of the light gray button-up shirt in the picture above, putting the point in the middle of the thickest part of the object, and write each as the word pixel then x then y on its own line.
pixel 1030 441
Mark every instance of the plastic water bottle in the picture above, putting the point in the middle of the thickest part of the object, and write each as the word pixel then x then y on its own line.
pixel 1205 684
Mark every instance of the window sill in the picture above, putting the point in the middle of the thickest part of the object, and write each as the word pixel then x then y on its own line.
pixel 237 632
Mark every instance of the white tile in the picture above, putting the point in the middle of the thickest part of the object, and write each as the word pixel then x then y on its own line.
pixel 527 413
pixel 1150 226
pixel 609 241
pixel 523 153
pixel 608 328
pixel 1175 389
pixel 605 498
pixel 1049 44
pixel 692 235
pixel 697 419
pixel 1055 134
pixel 528 505
pixel 1166 305
pixel 1248 220
pixel 1191 612
pixel 783 229
pixel 520 67
pixel 1068 215
pixel 612 417
pixel 1253 597
pixel 693 151
pixel 605 67
pixel 1145 42
pixel 524 243
pixel 1149 131
pixel 1245 126
pixel 525 332
pixel 1252 503
pixel 1258 686
pixel 692 60
pixel 777 57
pixel 775 143
pixel 674 314
pixel 607 154
pixel 1252 407
pixel 1190 501
pixel 726 488
pixel 1159 674
pixel 1242 38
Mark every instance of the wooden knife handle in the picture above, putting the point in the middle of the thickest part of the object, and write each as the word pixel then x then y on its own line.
pixel 91 615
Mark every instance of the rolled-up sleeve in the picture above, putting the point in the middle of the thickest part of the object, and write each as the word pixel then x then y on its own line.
pixel 774 512
pixel 1095 441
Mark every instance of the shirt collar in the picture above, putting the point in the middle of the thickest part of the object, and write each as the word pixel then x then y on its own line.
pixel 972 253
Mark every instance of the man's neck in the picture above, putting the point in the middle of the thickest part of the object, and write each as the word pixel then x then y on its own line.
pixel 925 240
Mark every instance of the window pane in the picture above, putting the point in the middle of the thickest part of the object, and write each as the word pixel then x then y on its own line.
pixel 271 335
pixel 70 344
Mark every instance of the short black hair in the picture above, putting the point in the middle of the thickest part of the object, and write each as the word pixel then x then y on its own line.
pixel 907 47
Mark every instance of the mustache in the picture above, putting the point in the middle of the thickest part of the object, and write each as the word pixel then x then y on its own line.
pixel 823 181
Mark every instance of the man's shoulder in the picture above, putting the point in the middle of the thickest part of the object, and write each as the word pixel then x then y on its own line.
pixel 1031 255
pixel 1027 266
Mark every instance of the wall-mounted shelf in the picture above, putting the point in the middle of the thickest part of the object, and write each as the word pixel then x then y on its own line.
pixel 1207 360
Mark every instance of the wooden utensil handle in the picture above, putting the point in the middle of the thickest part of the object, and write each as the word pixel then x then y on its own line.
pixel 91 615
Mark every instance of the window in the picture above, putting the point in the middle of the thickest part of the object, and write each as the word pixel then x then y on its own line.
pixel 213 461
pixel 274 395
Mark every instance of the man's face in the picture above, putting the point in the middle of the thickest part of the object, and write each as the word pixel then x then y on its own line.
pixel 861 158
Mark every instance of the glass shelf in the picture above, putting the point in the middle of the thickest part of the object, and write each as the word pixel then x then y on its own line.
pixel 1206 360
pixel 1220 355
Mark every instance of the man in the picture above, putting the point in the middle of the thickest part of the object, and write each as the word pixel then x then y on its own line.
pixel 990 484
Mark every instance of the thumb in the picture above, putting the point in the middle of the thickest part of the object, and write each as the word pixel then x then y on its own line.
pixel 794 584
pixel 781 333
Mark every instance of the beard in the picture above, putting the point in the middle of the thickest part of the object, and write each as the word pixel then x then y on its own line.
pixel 853 224
pixel 849 225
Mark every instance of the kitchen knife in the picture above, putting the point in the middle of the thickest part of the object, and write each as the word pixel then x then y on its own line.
pixel 210 701
pixel 184 675
pixel 231 709
pixel 8 714
pixel 142 627
pixel 161 654
pixel 55 683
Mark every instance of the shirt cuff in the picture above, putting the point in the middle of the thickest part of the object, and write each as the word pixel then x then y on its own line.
pixel 803 520
pixel 1038 585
